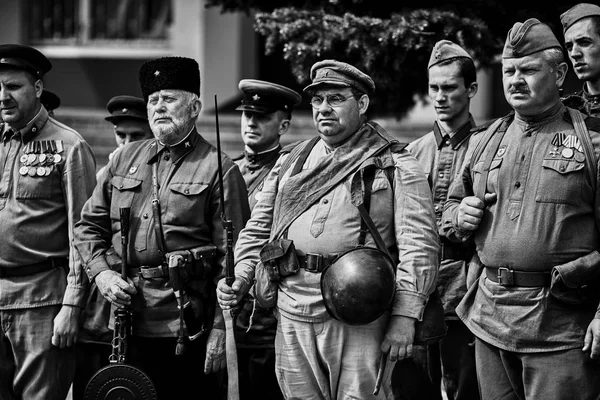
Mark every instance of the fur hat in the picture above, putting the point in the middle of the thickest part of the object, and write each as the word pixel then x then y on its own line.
pixel 170 73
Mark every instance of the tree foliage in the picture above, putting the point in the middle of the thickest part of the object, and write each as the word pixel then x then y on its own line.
pixel 391 41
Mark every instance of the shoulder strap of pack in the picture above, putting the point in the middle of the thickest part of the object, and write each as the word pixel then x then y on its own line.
pixel 294 154
pixel 586 141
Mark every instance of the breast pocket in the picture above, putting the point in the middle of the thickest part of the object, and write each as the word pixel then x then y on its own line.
pixel 186 204
pixel 38 186
pixel 560 182
pixel 491 183
pixel 123 191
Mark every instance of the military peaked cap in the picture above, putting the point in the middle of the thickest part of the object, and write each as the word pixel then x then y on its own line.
pixel 446 50
pixel 50 100
pixel 578 12
pixel 26 58
pixel 266 97
pixel 126 107
pixel 336 73
pixel 180 73
pixel 529 37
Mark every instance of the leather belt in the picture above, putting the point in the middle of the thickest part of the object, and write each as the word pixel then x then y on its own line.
pixel 454 252
pixel 510 277
pixel 147 272
pixel 8 272
pixel 313 262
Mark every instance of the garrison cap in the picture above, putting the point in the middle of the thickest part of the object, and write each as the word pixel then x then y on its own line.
pixel 126 107
pixel 26 58
pixel 578 12
pixel 50 100
pixel 446 50
pixel 266 97
pixel 179 73
pixel 336 73
pixel 529 37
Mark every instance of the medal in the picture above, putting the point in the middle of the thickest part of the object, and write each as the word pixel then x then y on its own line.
pixel 31 158
pixel 57 158
pixel 23 159
pixel 501 151
pixel 41 171
pixel 31 171
pixel 23 170
pixel 48 170
pixel 579 157
pixel 567 153
pixel 42 158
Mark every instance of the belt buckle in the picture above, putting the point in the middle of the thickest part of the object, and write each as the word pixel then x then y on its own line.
pixel 506 276
pixel 314 262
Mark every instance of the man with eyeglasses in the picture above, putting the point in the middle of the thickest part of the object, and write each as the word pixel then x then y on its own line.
pixel 311 205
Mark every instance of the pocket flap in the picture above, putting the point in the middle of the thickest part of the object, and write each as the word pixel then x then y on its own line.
pixel 123 183
pixel 496 162
pixel 188 189
pixel 271 251
pixel 562 166
pixel 478 167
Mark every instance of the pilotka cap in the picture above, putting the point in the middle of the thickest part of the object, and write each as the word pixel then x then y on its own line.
pixel 336 73
pixel 578 12
pixel 26 58
pixel 266 97
pixel 446 50
pixel 529 37
pixel 126 107
pixel 179 73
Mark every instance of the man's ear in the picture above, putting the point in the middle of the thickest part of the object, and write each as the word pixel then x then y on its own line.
pixel 284 126
pixel 363 104
pixel 561 73
pixel 472 89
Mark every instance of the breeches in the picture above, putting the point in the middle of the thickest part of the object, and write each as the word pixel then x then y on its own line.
pixel 30 366
pixel 329 360
pixel 557 375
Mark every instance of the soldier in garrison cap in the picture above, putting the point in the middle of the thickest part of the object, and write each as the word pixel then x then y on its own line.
pixel 308 212
pixel 49 173
pixel 178 243
pixel 50 101
pixel 266 115
pixel 527 197
pixel 452 84
pixel 581 29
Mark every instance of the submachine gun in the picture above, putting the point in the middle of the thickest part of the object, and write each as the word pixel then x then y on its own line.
pixel 119 380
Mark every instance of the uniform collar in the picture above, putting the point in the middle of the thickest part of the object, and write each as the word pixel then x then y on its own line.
pixel 592 98
pixel 455 140
pixel 264 157
pixel 178 150
pixel 29 131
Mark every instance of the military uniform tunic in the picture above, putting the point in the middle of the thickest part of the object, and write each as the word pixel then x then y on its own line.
pixel 189 197
pixel 544 216
pixel 583 101
pixel 254 168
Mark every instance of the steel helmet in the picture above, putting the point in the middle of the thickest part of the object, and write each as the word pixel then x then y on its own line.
pixel 359 285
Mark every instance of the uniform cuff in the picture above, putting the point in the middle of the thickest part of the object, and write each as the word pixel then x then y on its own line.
pixel 74 296
pixel 96 266
pixel 409 304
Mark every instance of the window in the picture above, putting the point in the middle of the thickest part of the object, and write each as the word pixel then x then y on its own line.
pixel 96 26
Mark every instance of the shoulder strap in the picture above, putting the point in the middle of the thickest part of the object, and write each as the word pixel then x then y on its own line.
pixel 584 136
pixel 295 152
pixel 499 126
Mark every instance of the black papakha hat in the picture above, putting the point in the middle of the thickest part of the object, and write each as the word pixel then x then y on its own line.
pixel 180 73
pixel 50 100
pixel 18 56
pixel 126 107
pixel 266 97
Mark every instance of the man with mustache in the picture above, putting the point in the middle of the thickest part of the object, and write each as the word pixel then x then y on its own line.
pixel 452 84
pixel 312 207
pixel 47 172
pixel 581 28
pixel 527 197
pixel 171 184
pixel 266 115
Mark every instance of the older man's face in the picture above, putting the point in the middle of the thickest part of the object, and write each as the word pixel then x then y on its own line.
pixel 171 115
pixel 19 92
pixel 530 84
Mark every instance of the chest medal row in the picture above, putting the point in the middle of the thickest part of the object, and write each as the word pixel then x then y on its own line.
pixel 40 157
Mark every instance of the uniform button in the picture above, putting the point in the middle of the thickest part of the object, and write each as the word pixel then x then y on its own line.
pixel 518 185
pixel 441 175
pixel 145 215
pixel 167 157
pixel 562 168
pixel 186 191
pixel 325 201
pixel 436 207
pixel 121 186
pixel 447 142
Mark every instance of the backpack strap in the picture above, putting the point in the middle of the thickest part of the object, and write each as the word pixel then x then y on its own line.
pixel 584 136
pixel 301 150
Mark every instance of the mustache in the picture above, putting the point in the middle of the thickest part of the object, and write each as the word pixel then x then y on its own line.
pixel 518 89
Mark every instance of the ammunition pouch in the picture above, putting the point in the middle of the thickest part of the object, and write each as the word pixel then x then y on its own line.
pixel 279 259
pixel 195 263
pixel 578 281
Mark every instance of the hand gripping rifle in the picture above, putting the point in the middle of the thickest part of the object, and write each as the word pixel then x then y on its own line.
pixel 119 380
pixel 233 392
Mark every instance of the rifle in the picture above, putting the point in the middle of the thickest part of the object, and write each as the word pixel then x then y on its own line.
pixel 233 392
pixel 119 379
